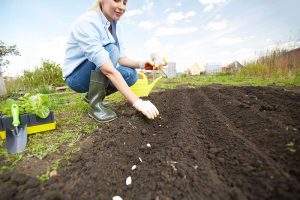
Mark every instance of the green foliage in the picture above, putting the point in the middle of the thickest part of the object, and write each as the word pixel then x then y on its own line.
pixel 6 50
pixel 35 104
pixel 43 89
pixel 291 147
pixel 40 151
pixel 48 75
pixel 45 176
pixel 5 107
pixel 10 160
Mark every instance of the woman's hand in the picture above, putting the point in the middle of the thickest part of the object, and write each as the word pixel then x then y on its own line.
pixel 147 108
pixel 159 62
pixel 147 65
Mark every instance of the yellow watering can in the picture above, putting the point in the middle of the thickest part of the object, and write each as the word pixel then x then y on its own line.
pixel 142 88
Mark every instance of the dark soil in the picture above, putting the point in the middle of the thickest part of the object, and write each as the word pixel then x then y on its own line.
pixel 213 142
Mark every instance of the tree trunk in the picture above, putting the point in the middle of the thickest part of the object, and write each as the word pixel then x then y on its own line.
pixel 2 86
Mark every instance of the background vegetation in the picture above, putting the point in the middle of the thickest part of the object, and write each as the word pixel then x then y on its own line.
pixel 275 67
pixel 42 80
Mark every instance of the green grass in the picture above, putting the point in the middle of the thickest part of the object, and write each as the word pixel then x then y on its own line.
pixel 55 166
pixel 72 121
pixel 8 161
pixel 239 78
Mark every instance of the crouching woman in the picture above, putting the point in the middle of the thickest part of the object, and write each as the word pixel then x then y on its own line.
pixel 95 61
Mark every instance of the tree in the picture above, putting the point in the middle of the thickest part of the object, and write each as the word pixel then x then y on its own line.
pixel 5 50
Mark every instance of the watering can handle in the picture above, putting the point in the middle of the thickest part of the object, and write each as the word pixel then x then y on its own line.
pixel 142 75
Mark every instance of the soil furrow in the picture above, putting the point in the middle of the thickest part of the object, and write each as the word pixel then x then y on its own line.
pixel 270 104
pixel 212 142
pixel 183 157
pixel 280 114
pixel 246 120
pixel 229 140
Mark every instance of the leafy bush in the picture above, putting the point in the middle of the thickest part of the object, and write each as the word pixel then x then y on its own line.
pixel 34 104
pixel 39 80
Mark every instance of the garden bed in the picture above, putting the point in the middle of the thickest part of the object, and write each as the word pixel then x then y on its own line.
pixel 212 142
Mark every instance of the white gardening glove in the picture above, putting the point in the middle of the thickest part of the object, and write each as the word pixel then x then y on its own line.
pixel 158 61
pixel 147 108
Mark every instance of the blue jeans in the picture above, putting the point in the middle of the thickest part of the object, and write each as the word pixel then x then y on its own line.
pixel 79 79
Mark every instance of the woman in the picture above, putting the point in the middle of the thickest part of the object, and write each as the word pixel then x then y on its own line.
pixel 95 60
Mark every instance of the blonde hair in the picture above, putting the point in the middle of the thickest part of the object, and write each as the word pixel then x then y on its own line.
pixel 95 6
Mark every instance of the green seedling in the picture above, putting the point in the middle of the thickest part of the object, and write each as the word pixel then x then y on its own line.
pixel 291 147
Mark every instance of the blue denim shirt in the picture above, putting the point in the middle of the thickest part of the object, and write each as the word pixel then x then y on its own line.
pixel 89 34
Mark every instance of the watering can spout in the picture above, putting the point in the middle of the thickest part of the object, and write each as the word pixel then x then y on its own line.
pixel 151 86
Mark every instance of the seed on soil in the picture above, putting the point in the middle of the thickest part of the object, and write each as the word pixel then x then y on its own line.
pixel 128 180
pixel 32 183
pixel 213 150
pixel 148 145
pixel 140 159
pixel 53 173
pixel 117 198
pixel 172 164
pixel 210 156
pixel 144 131
pixel 133 167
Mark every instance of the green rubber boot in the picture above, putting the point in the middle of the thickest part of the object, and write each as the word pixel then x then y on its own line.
pixel 96 94
pixel 104 103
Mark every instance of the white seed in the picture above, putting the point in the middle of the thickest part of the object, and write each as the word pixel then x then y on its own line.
pixel 148 145
pixel 53 173
pixel 140 159
pixel 128 180
pixel 133 167
pixel 117 198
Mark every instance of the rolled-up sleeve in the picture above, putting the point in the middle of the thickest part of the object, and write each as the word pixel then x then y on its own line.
pixel 87 35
